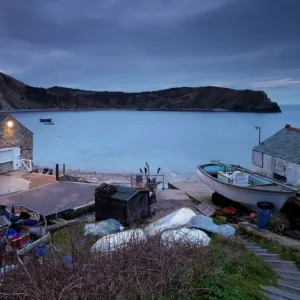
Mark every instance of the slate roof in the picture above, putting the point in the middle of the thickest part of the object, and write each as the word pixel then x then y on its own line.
pixel 3 116
pixel 284 144
pixel 124 193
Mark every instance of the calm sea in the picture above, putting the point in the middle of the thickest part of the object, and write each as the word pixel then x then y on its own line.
pixel 122 141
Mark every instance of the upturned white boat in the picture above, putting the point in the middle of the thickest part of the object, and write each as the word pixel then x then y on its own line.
pixel 244 186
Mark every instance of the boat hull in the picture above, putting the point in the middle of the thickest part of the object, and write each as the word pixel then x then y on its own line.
pixel 244 196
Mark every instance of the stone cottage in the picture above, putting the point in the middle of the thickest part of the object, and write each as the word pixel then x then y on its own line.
pixel 278 157
pixel 16 143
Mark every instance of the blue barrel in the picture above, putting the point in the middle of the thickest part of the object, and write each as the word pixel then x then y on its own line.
pixel 264 211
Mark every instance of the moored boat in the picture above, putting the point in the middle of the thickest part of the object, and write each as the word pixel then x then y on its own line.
pixel 47 120
pixel 244 186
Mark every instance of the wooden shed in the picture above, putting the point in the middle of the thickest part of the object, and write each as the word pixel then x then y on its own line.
pixel 124 204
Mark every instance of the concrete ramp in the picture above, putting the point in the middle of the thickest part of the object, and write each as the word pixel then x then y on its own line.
pixel 195 190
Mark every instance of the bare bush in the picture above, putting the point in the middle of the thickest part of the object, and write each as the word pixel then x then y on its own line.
pixel 142 270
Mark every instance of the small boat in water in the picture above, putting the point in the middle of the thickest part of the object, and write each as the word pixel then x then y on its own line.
pixel 48 120
pixel 244 186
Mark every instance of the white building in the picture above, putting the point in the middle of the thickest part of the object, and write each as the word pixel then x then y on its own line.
pixel 278 157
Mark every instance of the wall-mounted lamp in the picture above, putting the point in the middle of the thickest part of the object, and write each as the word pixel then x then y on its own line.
pixel 10 124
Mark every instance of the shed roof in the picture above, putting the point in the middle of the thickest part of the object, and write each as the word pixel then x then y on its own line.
pixel 284 144
pixel 124 193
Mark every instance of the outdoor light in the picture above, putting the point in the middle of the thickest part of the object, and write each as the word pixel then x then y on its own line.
pixel 10 124
pixel 258 128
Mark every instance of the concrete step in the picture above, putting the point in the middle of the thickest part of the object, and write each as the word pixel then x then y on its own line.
pixel 286 286
pixel 279 292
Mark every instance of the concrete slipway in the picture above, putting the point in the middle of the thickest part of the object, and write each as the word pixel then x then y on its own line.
pixel 42 193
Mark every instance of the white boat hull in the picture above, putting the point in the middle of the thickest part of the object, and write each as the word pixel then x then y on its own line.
pixel 246 197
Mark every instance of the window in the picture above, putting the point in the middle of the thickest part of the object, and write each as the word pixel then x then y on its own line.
pixel 279 177
pixel 257 159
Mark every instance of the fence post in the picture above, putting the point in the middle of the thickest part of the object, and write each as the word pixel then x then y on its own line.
pixel 57 172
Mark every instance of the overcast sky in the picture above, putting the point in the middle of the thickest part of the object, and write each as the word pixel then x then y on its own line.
pixel 137 45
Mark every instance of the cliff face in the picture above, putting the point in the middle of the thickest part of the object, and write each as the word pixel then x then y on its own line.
pixel 16 95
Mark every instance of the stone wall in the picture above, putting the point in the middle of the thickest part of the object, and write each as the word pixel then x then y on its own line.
pixel 6 167
pixel 16 136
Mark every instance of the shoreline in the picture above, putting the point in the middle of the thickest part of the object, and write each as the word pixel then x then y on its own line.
pixel 121 178
pixel 213 110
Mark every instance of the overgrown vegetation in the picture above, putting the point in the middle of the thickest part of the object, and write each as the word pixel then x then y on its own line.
pixel 145 270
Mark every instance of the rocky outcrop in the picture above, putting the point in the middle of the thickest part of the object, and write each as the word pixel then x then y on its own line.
pixel 15 95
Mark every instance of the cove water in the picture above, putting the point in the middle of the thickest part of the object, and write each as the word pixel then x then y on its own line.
pixel 122 141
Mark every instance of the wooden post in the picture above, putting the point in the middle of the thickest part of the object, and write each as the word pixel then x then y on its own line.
pixel 64 169
pixel 57 172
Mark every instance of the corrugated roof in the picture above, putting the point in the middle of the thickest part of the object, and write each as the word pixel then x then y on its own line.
pixel 124 193
pixel 284 144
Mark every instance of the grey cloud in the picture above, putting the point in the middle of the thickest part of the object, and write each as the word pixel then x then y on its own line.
pixel 135 44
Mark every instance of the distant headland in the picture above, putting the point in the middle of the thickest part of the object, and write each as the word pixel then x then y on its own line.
pixel 15 95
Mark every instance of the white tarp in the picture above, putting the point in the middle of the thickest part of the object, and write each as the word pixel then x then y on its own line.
pixel 103 227
pixel 177 219
pixel 206 223
pixel 118 240
pixel 240 178
pixel 185 235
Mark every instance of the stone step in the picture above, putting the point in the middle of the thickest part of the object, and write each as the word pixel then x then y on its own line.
pixel 282 284
pixel 289 272
pixel 262 250
pixel 273 297
pixel 290 278
pixel 255 248
pixel 279 263
pixel 281 293
pixel 270 255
